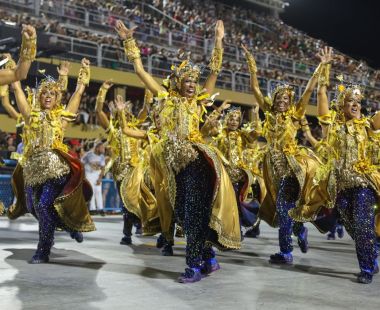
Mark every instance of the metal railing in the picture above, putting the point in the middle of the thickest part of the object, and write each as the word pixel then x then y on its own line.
pixel 104 21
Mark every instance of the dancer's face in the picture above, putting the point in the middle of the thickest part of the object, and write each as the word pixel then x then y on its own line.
pixel 282 102
pixel 233 122
pixel 188 87
pixel 48 98
pixel 352 106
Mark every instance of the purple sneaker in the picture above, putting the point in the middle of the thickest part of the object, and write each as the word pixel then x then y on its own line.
pixel 302 241
pixel 190 275
pixel 39 259
pixel 340 231
pixel 364 277
pixel 281 258
pixel 330 236
pixel 209 266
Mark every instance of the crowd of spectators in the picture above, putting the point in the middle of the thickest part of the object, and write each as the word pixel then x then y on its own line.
pixel 262 32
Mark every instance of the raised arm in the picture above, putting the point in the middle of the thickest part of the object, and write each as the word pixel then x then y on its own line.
pixel 148 101
pixel 254 81
pixel 323 83
pixel 130 132
pixel 254 118
pixel 208 128
pixel 63 71
pixel 4 94
pixel 326 57
pixel 21 101
pixel 307 132
pixel 82 82
pixel 102 117
pixel 216 58
pixel 27 55
pixel 133 54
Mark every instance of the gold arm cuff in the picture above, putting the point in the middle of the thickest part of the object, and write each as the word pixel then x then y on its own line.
pixel 84 76
pixel 4 90
pixel 252 67
pixel 63 81
pixel 131 50
pixel 101 97
pixel 11 64
pixel 324 76
pixel 317 70
pixel 216 60
pixel 122 119
pixel 28 49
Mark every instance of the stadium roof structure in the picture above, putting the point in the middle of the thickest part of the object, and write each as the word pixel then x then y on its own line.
pixel 276 5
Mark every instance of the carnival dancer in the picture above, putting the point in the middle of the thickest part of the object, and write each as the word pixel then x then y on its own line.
pixel 189 178
pixel 288 169
pixel 20 71
pixel 320 150
pixel 53 181
pixel 128 164
pixel 351 176
pixel 232 141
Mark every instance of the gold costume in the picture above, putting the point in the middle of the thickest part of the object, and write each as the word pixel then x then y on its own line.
pixel 284 157
pixel 129 168
pixel 45 157
pixel 351 155
pixel 179 143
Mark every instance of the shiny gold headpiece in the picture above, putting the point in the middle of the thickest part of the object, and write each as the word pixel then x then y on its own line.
pixel 343 90
pixel 185 69
pixel 234 111
pixel 46 83
pixel 283 88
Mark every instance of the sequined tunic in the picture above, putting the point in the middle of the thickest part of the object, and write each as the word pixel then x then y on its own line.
pixel 232 144
pixel 125 152
pixel 179 121
pixel 353 154
pixel 280 132
pixel 41 137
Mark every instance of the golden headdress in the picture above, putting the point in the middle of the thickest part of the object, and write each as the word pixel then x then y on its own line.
pixel 185 69
pixel 343 90
pixel 232 112
pixel 280 89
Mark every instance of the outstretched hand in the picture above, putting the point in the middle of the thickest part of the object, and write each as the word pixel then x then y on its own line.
pixel 219 30
pixel 123 32
pixel 107 84
pixel 28 32
pixel 119 103
pixel 64 68
pixel 225 105
pixel 85 63
pixel 326 55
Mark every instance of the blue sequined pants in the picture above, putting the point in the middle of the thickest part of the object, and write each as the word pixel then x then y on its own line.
pixel 194 194
pixel 286 199
pixel 356 207
pixel 40 200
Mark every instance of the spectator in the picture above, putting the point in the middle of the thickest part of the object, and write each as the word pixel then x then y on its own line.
pixel 94 164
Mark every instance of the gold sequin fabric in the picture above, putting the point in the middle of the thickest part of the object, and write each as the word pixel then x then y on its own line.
pixel 125 151
pixel 42 166
pixel 44 134
pixel 280 132
pixel 179 119
pixel 353 153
